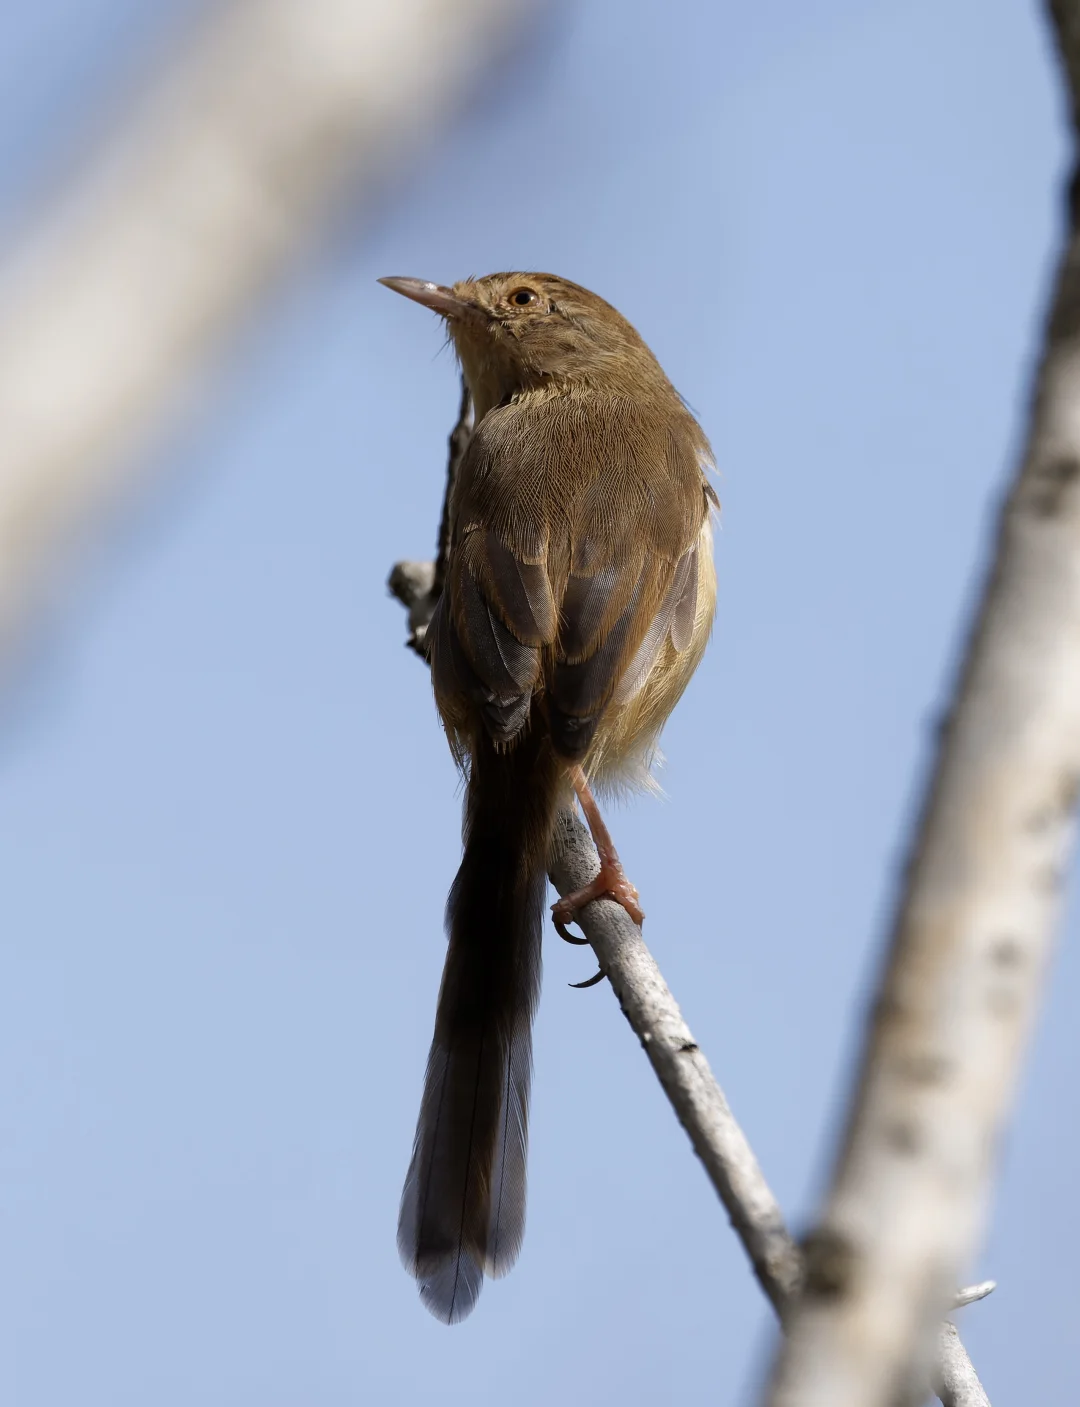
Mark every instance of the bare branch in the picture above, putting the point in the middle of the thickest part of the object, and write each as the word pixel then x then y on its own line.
pixel 703 1111
pixel 413 583
pixel 681 1068
pixel 955 1380
pixel 218 176
pixel 973 1293
pixel 972 933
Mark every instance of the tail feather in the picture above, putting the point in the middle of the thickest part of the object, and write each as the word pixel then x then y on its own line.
pixel 463 1207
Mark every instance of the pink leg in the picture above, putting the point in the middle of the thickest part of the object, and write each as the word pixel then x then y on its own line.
pixel 611 882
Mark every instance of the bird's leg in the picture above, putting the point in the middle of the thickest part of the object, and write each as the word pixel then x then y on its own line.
pixel 611 882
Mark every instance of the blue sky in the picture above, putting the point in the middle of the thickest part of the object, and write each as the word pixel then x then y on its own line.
pixel 228 818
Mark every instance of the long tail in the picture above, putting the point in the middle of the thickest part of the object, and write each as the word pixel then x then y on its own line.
pixel 463 1208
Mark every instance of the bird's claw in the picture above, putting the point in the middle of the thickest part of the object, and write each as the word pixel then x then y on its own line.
pixel 563 932
pixel 610 883
pixel 598 976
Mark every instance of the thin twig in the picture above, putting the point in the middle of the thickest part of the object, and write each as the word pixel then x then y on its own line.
pixel 954 1378
pixel 973 1293
pixel 681 1068
pixel 703 1111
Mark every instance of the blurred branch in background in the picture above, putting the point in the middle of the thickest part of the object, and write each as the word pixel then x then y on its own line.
pixel 228 167
pixel 981 896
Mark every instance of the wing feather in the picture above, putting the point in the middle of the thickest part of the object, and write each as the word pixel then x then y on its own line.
pixel 575 559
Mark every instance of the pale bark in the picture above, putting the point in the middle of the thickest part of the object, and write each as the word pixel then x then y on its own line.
pixel 703 1110
pixel 954 1377
pixel 225 169
pixel 971 937
pixel 682 1069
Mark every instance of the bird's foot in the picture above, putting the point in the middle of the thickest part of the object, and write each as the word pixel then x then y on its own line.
pixel 610 883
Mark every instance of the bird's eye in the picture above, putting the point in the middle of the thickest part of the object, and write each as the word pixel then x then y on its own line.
pixel 522 297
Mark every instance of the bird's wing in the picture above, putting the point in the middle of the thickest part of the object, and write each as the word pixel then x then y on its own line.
pixel 574 559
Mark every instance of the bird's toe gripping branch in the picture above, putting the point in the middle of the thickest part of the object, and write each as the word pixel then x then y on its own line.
pixel 610 883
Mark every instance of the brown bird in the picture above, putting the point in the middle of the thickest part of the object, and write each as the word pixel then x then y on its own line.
pixel 578 599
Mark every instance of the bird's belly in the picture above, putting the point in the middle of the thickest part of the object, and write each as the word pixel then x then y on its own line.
pixel 626 740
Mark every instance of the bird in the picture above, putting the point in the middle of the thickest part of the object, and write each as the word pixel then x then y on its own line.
pixel 577 602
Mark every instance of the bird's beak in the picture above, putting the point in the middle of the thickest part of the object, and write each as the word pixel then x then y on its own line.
pixel 434 296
